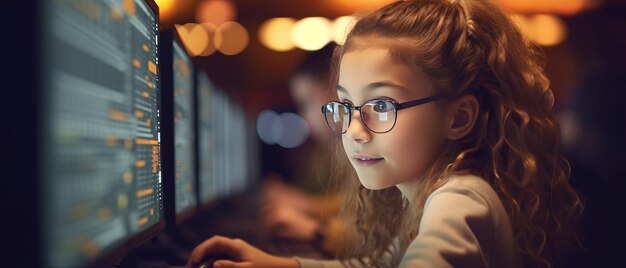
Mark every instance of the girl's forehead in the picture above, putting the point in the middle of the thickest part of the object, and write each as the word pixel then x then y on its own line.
pixel 370 59
pixel 365 65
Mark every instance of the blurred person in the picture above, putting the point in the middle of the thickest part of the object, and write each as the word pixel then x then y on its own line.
pixel 594 136
pixel 305 208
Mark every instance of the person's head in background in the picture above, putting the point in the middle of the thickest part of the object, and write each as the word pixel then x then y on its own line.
pixel 463 52
pixel 593 123
pixel 309 88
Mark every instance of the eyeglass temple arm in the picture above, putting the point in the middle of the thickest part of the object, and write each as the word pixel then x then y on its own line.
pixel 412 103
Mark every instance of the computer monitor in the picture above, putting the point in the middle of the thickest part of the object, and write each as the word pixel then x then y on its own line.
pixel 206 178
pixel 230 146
pixel 236 142
pixel 99 155
pixel 220 160
pixel 179 124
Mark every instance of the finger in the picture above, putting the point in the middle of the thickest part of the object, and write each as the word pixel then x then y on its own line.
pixel 216 245
pixel 231 264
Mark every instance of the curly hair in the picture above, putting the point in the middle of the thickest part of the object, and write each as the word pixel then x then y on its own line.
pixel 471 47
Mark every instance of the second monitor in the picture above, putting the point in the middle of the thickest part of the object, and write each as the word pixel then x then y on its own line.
pixel 179 152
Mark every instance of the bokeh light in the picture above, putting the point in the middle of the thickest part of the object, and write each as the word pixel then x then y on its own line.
pixel 311 33
pixel 545 30
pixel 341 27
pixel 564 7
pixel 264 126
pixel 165 6
pixel 275 34
pixel 195 37
pixel 210 46
pixel 548 30
pixel 215 12
pixel 231 38
pixel 288 130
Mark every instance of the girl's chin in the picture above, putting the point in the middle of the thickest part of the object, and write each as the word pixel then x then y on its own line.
pixel 374 184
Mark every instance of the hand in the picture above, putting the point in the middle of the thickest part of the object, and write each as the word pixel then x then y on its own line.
pixel 285 221
pixel 241 254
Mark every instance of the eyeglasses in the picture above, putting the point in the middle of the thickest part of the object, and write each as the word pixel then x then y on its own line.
pixel 378 115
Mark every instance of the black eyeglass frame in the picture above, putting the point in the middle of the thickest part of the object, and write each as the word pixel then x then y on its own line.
pixel 397 106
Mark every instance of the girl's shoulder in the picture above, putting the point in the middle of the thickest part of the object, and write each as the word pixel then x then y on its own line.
pixel 473 187
pixel 463 224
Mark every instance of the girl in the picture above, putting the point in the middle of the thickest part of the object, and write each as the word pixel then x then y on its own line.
pixel 446 101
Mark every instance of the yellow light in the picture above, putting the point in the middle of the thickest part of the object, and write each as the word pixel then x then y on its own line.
pixel 166 7
pixel 231 38
pixel 545 30
pixel 341 27
pixel 195 38
pixel 210 48
pixel 548 30
pixel 215 11
pixel 311 33
pixel 565 7
pixel 361 5
pixel 274 34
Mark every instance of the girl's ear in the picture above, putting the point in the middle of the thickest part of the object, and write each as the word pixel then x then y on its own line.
pixel 463 113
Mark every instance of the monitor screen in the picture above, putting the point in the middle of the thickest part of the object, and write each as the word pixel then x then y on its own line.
pixel 220 111
pixel 100 160
pixel 205 139
pixel 184 135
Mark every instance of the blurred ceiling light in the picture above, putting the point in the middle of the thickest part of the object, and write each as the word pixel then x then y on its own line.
pixel 183 33
pixel 210 47
pixel 195 38
pixel 545 30
pixel 564 7
pixel 341 27
pixel 215 11
pixel 361 5
pixel 311 33
pixel 274 34
pixel 165 6
pixel 548 30
pixel 231 38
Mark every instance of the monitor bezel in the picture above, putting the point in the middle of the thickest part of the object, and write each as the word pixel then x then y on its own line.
pixel 172 219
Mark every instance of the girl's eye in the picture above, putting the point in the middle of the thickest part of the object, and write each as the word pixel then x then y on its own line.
pixel 381 106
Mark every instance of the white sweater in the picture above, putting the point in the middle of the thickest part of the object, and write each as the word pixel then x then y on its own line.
pixel 464 225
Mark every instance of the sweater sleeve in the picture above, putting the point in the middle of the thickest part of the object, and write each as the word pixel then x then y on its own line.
pixel 456 230
pixel 310 263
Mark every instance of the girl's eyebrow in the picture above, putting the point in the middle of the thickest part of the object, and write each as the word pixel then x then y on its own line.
pixel 375 85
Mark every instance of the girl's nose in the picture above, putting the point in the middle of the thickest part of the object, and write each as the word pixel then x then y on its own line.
pixel 357 131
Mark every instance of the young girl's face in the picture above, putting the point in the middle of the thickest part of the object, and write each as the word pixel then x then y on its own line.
pixel 404 154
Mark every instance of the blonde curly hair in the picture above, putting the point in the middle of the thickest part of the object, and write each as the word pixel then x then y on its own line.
pixel 470 47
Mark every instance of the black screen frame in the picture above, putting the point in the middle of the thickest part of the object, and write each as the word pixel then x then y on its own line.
pixel 167 37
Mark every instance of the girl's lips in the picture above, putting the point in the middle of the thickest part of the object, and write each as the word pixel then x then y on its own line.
pixel 366 161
